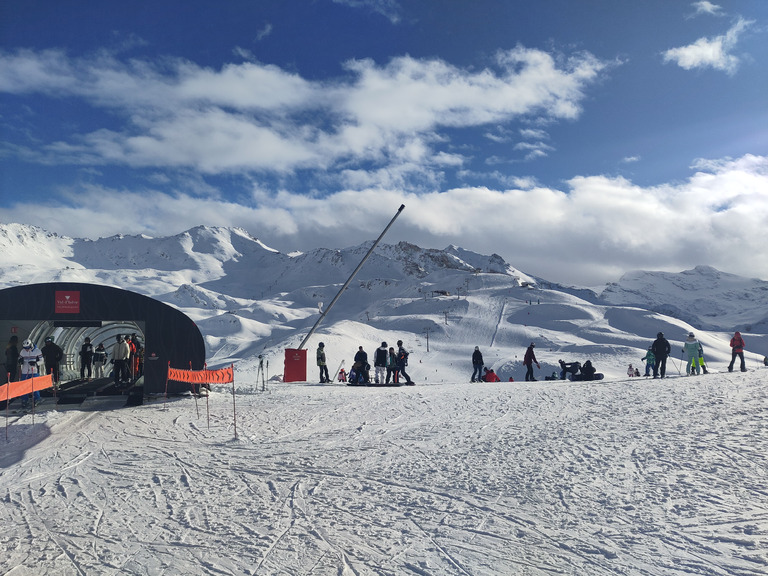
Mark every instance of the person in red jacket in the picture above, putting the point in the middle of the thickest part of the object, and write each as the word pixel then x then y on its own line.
pixel 490 376
pixel 529 360
pixel 737 349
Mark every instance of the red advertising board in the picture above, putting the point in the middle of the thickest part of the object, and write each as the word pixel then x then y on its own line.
pixel 67 302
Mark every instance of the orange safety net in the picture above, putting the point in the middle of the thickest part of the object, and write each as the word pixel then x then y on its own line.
pixel 16 389
pixel 221 376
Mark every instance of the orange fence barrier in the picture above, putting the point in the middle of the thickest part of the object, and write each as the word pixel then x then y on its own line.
pixel 221 376
pixel 16 389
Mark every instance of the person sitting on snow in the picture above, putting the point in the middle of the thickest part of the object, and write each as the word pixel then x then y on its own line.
pixel 588 371
pixel 568 368
pixel 490 376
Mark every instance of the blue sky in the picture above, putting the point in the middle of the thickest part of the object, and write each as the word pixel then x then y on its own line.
pixel 576 139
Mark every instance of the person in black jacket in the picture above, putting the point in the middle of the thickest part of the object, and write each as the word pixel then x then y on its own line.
pixel 11 358
pixel 361 365
pixel 661 350
pixel 86 358
pixel 380 358
pixel 52 354
pixel 477 365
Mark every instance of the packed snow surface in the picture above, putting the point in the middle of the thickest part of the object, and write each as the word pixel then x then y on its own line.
pixel 638 477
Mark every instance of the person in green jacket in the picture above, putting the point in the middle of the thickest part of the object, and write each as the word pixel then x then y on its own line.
pixel 650 361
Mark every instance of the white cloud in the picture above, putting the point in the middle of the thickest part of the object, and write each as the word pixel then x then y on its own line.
pixel 706 7
pixel 390 9
pixel 251 117
pixel 713 53
pixel 588 233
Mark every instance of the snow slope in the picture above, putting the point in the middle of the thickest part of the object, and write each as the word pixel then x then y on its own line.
pixel 644 477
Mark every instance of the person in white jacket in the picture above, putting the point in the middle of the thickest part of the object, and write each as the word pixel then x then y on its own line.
pixel 30 357
pixel 120 354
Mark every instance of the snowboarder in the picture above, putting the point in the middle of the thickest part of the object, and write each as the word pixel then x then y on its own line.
pixel 86 358
pixel 11 357
pixel 52 354
pixel 588 371
pixel 30 357
pixel 402 362
pixel 568 367
pixel 324 378
pixel 661 350
pixel 380 363
pixel 477 364
pixel 529 360
pixel 361 365
pixel 691 348
pixel 650 361
pixel 737 349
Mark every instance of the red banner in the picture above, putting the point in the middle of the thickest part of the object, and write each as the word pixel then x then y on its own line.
pixel 221 376
pixel 16 389
pixel 67 302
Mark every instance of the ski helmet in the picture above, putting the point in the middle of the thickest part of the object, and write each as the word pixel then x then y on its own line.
pixel 321 345
pixel 660 335
pixel 27 343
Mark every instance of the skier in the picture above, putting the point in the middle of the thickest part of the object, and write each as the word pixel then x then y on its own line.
pixel 529 360
pixel 52 354
pixel 477 364
pixel 324 378
pixel 402 362
pixel 29 358
pixel 630 371
pixel 392 366
pixel 691 348
pixel 737 349
pixel 86 358
pixel 650 361
pixel 380 363
pixel 661 350
pixel 11 357
pixel 342 375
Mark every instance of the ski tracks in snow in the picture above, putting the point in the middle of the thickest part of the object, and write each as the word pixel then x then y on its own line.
pixel 639 478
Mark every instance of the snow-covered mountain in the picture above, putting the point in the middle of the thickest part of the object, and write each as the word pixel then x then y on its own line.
pixel 705 297
pixel 251 300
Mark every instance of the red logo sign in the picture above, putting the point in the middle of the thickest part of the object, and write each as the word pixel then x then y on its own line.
pixel 67 302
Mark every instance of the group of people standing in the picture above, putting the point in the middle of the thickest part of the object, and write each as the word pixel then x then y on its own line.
pixel 655 360
pixel 389 366
pixel 656 357
pixel 27 362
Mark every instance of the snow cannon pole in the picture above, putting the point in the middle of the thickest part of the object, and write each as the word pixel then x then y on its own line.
pixel 351 277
